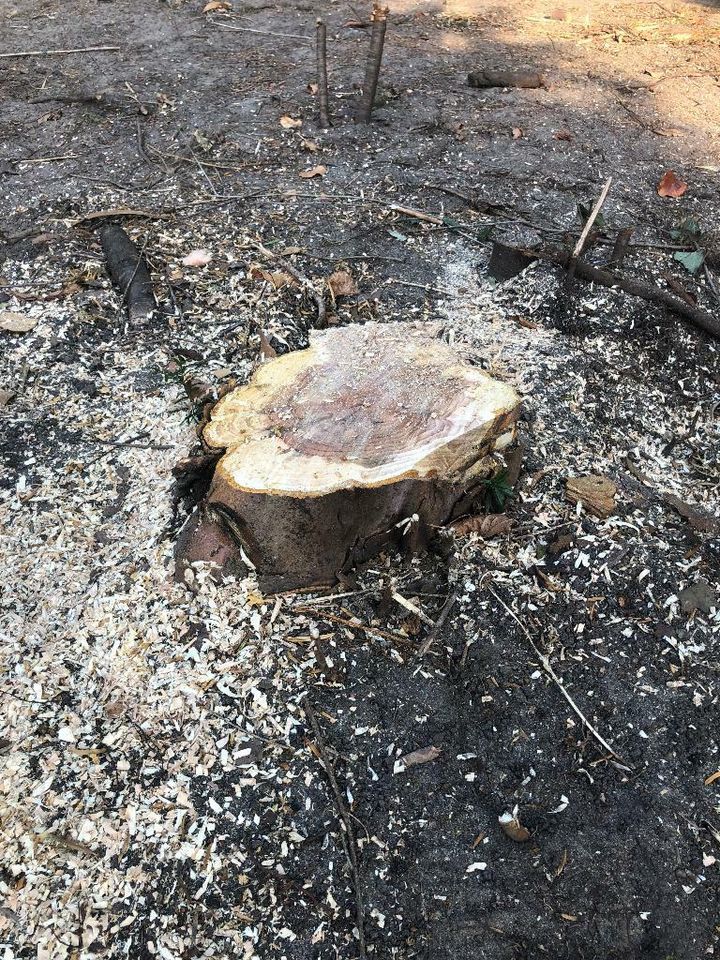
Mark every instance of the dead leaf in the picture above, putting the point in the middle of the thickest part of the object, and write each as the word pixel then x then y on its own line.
pixel 671 185
pixel 485 525
pixel 317 171
pixel 571 918
pixel 512 828
pixel 197 258
pixel 267 351
pixel 277 278
pixel 312 88
pixel 16 322
pixel 341 284
pixel 517 133
pixel 564 859
pixel 423 755
pixel 563 135
pixel 712 778
pixel 595 492
pixel 309 145
pixel 290 123
pixel 217 5
pixel 6 397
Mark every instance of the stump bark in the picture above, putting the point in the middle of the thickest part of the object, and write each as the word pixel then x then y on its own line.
pixel 375 434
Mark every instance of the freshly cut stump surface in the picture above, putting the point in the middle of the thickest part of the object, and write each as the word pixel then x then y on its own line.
pixel 331 452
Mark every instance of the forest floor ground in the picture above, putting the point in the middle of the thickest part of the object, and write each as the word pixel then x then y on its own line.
pixel 161 794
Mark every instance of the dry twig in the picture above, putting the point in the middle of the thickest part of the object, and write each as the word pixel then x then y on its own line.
pixel 439 624
pixel 348 837
pixel 55 53
pixel 547 667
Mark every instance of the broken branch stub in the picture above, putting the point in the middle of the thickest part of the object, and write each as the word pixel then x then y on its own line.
pixel 375 434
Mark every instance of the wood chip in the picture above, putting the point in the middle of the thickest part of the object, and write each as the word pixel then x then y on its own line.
pixel 486 525
pixel 16 322
pixel 596 493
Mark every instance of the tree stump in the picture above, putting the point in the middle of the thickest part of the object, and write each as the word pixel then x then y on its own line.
pixel 375 434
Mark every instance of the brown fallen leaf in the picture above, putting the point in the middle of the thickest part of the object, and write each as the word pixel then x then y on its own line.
pixel 308 145
pixel 217 5
pixel 267 351
pixel 197 258
pixel 290 123
pixel 517 133
pixel 312 88
pixel 485 525
pixel 16 322
pixel 712 778
pixel 563 135
pixel 317 171
pixel 511 827
pixel 671 185
pixel 341 284
pixel 278 278
pixel 423 755
pixel 6 397
pixel 595 492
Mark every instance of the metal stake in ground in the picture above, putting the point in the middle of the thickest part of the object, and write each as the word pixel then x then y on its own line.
pixel 322 80
pixel 372 73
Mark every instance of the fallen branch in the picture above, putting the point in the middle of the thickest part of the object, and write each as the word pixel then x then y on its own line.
pixel 322 78
pixel 372 73
pixel 636 288
pixel 348 837
pixel 128 269
pixel 547 667
pixel 524 79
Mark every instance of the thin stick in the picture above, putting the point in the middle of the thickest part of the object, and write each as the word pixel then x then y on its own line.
pixel 439 624
pixel 711 282
pixel 551 673
pixel 55 53
pixel 348 837
pixel 417 214
pixel 372 72
pixel 359 627
pixel 322 78
pixel 263 33
pixel 592 218
pixel 318 297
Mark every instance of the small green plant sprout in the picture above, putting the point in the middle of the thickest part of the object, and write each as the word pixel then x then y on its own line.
pixel 497 491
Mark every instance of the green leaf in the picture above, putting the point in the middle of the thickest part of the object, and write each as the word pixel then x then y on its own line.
pixel 497 491
pixel 584 212
pixel 692 260
pixel 691 227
